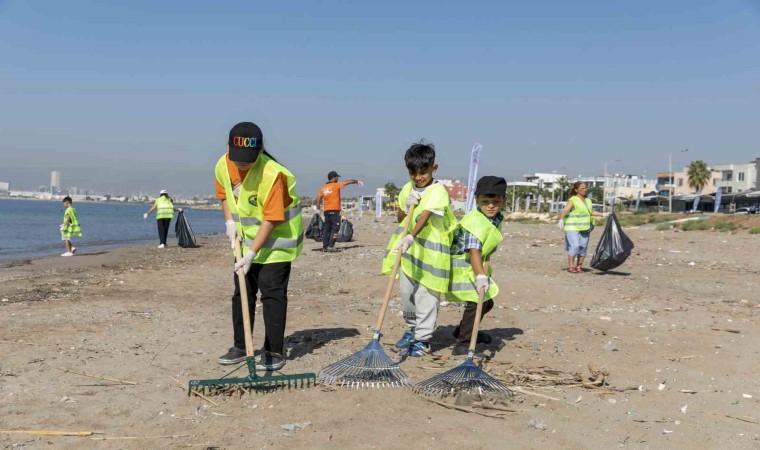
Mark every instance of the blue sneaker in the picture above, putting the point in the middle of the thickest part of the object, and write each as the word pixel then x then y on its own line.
pixel 416 350
pixel 406 340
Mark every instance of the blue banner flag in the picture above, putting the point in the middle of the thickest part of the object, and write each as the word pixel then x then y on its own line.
pixel 696 201
pixel 472 181
pixel 718 196
pixel 378 204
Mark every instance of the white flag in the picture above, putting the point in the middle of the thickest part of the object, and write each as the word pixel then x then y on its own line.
pixel 472 181
pixel 378 204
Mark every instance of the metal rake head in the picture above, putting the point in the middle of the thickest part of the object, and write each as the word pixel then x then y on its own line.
pixel 370 367
pixel 466 377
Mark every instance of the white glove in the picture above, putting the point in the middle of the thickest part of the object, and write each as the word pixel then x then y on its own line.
pixel 360 183
pixel 561 225
pixel 404 243
pixel 245 262
pixel 413 199
pixel 481 283
pixel 145 215
pixel 63 227
pixel 231 232
pixel 606 215
pixel 179 209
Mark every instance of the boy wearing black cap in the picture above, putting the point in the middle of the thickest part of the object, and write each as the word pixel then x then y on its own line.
pixel 475 239
pixel 263 210
pixel 330 192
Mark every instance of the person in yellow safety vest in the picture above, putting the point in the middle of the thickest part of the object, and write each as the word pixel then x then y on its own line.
pixel 475 240
pixel 578 225
pixel 70 227
pixel 262 209
pixel 426 260
pixel 164 207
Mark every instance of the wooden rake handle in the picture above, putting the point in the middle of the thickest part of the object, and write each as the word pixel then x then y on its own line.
pixel 394 272
pixel 244 301
pixel 478 311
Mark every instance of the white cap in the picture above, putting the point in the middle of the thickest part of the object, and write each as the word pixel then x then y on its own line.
pixel 163 191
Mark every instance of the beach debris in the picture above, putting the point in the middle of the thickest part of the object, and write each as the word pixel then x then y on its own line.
pixel 746 396
pixel 661 386
pixel 537 424
pixel 683 408
pixel 67 400
pixel 296 426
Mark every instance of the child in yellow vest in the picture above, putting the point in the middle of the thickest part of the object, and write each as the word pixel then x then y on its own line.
pixel 475 240
pixel 426 262
pixel 70 227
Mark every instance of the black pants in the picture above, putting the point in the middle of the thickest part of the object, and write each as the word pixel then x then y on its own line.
pixel 468 320
pixel 272 281
pixel 331 227
pixel 163 229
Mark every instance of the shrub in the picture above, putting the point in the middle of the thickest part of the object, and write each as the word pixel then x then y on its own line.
pixel 695 225
pixel 725 226
pixel 663 227
pixel 754 230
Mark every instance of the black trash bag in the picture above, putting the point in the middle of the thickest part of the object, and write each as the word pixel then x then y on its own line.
pixel 314 230
pixel 346 231
pixel 614 247
pixel 184 233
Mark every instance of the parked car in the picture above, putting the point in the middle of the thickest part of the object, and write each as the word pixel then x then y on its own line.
pixel 747 210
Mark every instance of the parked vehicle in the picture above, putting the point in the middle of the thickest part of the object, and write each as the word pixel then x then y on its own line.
pixel 747 210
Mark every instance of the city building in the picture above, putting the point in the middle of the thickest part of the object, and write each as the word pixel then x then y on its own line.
pixel 548 181
pixel 4 188
pixel 735 178
pixel 456 189
pixel 55 182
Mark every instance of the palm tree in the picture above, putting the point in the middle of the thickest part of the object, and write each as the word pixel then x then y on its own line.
pixel 564 187
pixel 698 174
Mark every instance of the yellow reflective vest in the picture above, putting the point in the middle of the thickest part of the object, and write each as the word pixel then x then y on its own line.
pixel 164 208
pixel 579 218
pixel 462 285
pixel 73 228
pixel 286 240
pixel 428 260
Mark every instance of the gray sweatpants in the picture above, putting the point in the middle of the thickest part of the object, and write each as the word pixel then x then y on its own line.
pixel 420 307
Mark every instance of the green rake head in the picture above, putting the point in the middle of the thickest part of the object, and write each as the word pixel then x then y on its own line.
pixel 252 382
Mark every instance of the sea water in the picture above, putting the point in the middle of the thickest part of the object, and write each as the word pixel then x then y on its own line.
pixel 31 227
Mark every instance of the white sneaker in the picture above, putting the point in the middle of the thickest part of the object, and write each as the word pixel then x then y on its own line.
pixel 161 246
pixel 73 250
pixel 67 254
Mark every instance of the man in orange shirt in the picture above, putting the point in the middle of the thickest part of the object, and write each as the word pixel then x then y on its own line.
pixel 330 192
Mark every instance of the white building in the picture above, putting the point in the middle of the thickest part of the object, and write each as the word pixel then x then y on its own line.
pixel 735 178
pixel 4 187
pixel 544 180
pixel 55 181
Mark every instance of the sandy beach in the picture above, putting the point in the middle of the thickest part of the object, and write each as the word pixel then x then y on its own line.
pixel 676 330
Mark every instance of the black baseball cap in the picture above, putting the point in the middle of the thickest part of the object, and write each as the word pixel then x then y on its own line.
pixel 245 142
pixel 332 175
pixel 490 185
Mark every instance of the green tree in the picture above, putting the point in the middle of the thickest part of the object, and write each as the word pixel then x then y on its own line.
pixel 596 194
pixel 698 174
pixel 564 188
pixel 391 190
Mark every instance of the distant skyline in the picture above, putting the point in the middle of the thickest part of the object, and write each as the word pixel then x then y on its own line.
pixel 140 96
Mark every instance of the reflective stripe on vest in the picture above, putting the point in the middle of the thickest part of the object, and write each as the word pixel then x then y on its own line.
pixel 73 228
pixel 428 260
pixel 164 208
pixel 579 218
pixel 285 242
pixel 462 285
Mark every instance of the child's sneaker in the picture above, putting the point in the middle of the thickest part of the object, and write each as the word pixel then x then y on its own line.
pixel 67 254
pixel 416 350
pixel 73 250
pixel 161 246
pixel 406 340
pixel 270 361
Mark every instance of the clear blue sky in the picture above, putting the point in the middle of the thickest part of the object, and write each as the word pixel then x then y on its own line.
pixel 140 95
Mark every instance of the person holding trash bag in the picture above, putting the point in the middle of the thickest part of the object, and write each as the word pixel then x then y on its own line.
pixel 164 208
pixel 261 208
pixel 576 220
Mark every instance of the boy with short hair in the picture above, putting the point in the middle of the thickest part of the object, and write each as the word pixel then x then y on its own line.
pixel 69 227
pixel 475 240
pixel 426 262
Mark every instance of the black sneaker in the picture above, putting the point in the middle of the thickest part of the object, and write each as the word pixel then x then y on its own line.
pixel 233 356
pixel 270 361
pixel 460 350
pixel 483 337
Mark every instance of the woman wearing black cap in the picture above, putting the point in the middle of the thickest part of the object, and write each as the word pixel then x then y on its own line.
pixel 263 211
